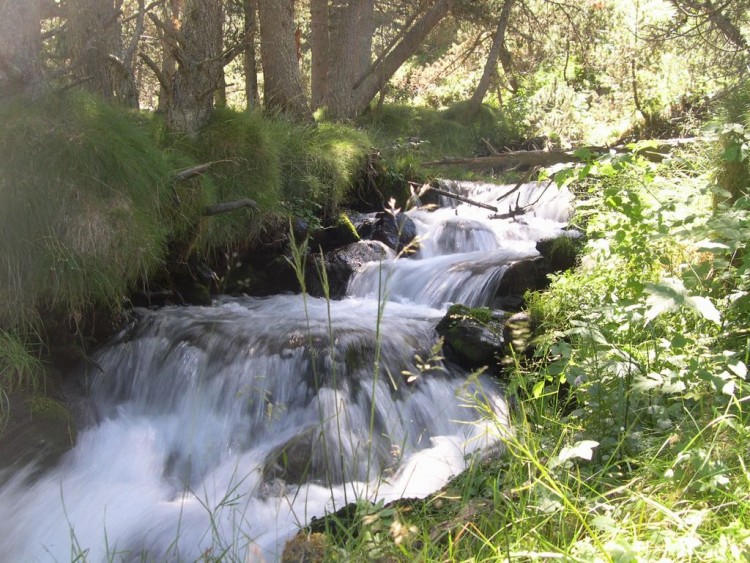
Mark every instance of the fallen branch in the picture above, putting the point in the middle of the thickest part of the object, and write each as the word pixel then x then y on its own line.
pixel 557 156
pixel 517 158
pixel 229 206
pixel 463 199
pixel 193 171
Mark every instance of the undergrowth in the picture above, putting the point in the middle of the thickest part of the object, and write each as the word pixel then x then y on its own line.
pixel 632 417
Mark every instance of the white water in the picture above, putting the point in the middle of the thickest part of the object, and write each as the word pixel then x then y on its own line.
pixel 190 402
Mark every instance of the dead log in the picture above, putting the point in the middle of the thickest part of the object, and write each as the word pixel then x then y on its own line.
pixel 509 159
pixel 463 199
pixel 193 171
pixel 653 151
pixel 229 206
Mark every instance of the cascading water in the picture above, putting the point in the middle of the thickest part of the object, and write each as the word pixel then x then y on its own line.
pixel 223 429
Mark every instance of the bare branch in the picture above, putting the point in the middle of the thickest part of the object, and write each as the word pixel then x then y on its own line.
pixel 167 84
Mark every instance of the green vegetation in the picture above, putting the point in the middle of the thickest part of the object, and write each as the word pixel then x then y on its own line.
pixel 631 427
pixel 89 210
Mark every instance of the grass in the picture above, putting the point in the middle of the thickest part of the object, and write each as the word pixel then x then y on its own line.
pixel 631 422
pixel 82 198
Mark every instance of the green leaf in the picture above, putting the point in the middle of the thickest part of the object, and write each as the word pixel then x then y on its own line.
pixel 583 449
pixel 670 295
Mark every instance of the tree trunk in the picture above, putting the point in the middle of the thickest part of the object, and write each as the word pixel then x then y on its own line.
pixel 94 34
pixel 251 71
pixel 349 27
pixel 168 62
pixel 344 101
pixel 282 87
pixel 490 66
pixel 319 50
pixel 20 48
pixel 197 47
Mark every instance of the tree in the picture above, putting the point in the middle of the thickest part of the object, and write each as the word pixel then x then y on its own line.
pixel 195 41
pixel 20 48
pixel 319 52
pixel 352 85
pixel 249 8
pixel 282 86
pixel 100 60
pixel 498 46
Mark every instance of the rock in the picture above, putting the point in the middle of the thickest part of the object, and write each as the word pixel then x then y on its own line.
pixel 520 277
pixel 395 231
pixel 561 253
pixel 260 275
pixel 474 338
pixel 305 548
pixel 339 234
pixel 292 461
pixel 39 429
pixel 340 265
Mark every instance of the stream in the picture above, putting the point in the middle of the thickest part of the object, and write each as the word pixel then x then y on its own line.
pixel 223 429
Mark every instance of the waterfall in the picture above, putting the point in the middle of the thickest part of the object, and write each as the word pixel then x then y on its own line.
pixel 223 429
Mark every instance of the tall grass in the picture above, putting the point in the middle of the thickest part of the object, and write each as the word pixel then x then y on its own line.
pixel 631 420
pixel 82 198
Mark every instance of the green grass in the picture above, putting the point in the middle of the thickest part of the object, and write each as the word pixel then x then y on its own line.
pixel 631 419
pixel 82 198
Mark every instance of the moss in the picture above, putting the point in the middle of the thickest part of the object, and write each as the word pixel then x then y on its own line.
pixel 483 315
pixel 343 222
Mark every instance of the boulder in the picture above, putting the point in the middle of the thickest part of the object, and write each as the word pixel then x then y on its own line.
pixel 38 429
pixel 520 277
pixel 340 265
pixel 561 253
pixel 473 338
pixel 396 231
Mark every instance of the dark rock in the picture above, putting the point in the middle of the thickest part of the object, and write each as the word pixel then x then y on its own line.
pixel 561 253
pixel 260 275
pixel 474 338
pixel 39 429
pixel 293 461
pixel 523 276
pixel 339 234
pixel 340 264
pixel 395 231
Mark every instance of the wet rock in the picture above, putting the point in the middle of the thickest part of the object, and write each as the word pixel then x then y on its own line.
pixel 340 265
pixel 561 253
pixel 292 462
pixel 38 429
pixel 520 277
pixel 260 275
pixel 395 231
pixel 474 338
pixel 341 233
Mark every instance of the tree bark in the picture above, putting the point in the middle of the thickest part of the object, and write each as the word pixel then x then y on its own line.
pixel 350 22
pixel 282 86
pixel 251 71
pixel 197 47
pixel 94 35
pixel 20 48
pixel 319 49
pixel 490 67
pixel 347 104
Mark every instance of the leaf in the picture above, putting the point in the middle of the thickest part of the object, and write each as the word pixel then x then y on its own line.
pixel 583 449
pixel 704 307
pixel 739 369
pixel 671 295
